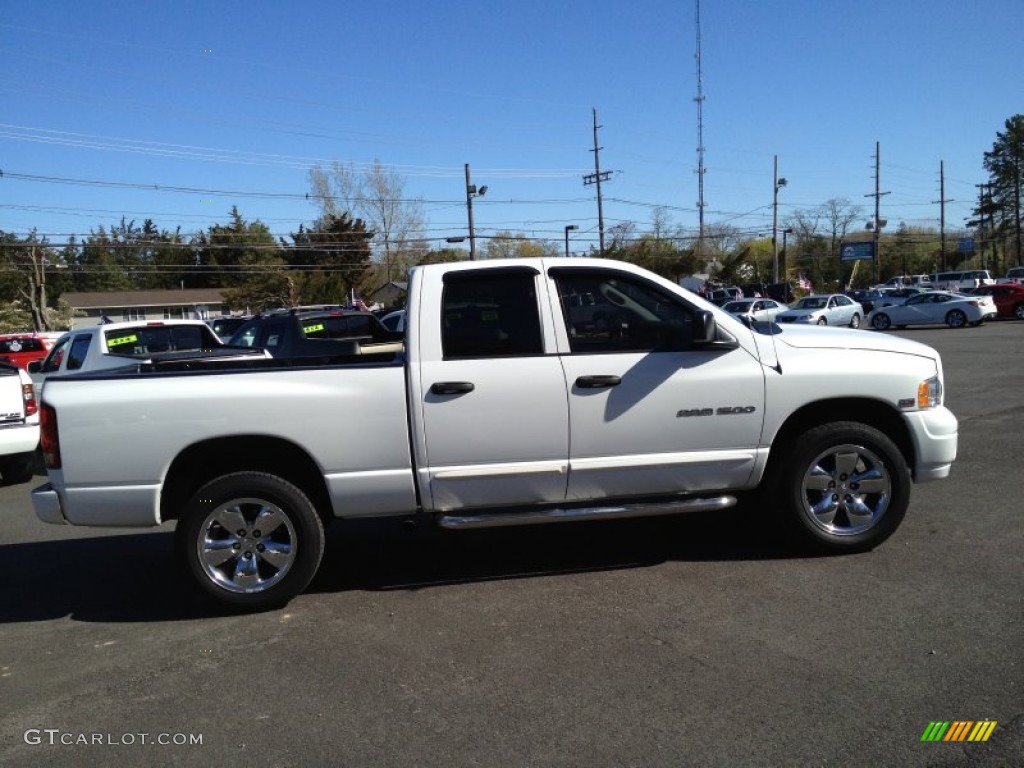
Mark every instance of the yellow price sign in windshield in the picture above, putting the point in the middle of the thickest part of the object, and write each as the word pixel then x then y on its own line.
pixel 117 340
pixel 308 329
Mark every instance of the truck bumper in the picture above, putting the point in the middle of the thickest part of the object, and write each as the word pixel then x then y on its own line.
pixel 47 506
pixel 934 433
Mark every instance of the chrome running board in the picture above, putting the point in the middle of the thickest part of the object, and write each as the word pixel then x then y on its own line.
pixel 537 516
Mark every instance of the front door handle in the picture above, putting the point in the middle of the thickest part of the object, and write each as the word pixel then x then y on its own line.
pixel 597 382
pixel 451 387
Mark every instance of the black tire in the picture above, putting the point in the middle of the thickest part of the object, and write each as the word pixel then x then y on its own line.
pixel 823 321
pixel 956 318
pixel 855 321
pixel 249 565
pixel 1018 311
pixel 881 321
pixel 841 487
pixel 19 468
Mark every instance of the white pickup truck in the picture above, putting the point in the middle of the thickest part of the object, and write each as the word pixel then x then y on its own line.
pixel 19 425
pixel 528 391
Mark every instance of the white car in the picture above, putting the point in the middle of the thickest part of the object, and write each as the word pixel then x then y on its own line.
pixel 826 309
pixel 19 425
pixel 111 345
pixel 935 308
pixel 760 310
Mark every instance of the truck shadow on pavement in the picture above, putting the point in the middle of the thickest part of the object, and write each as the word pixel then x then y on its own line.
pixel 136 577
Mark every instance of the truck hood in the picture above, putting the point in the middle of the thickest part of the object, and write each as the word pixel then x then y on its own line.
pixel 815 337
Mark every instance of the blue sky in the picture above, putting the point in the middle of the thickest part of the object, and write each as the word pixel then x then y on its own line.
pixel 244 97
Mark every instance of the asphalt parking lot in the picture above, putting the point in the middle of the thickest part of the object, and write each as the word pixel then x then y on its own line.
pixel 698 640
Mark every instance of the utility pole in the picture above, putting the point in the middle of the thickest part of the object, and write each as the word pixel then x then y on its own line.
pixel 942 212
pixel 985 201
pixel 776 183
pixel 471 192
pixel 879 222
pixel 596 178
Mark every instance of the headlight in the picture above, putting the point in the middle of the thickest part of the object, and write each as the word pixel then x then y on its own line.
pixel 804 319
pixel 929 393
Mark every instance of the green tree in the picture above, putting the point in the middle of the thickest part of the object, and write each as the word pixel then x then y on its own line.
pixel 329 259
pixel 1005 166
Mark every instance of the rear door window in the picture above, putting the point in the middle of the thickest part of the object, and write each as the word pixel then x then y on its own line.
pixel 79 350
pixel 491 314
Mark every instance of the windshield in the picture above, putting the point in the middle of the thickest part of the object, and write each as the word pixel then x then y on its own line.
pixel 812 302
pixel 737 306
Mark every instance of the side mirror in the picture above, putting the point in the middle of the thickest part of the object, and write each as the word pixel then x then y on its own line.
pixel 705 330
pixel 35 366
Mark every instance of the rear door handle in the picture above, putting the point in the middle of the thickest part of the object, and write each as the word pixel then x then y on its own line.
pixel 452 387
pixel 597 382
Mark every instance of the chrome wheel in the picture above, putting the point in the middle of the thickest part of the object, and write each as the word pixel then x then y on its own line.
pixel 823 321
pixel 842 486
pixel 246 545
pixel 956 319
pixel 251 540
pixel 855 321
pixel 846 490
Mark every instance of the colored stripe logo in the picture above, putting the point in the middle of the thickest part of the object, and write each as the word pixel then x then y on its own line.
pixel 958 730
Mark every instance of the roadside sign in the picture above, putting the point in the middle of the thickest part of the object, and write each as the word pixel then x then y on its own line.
pixel 864 251
pixel 966 245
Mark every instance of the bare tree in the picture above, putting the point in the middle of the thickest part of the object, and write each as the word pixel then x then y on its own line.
pixel 376 195
pixel 839 213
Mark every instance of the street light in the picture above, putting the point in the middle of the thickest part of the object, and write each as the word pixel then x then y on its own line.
pixel 569 228
pixel 778 184
pixel 471 192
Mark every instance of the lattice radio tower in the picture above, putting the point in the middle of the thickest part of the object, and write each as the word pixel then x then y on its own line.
pixel 699 98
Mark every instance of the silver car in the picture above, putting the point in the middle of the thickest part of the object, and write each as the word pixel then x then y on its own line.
pixel 825 309
pixel 760 310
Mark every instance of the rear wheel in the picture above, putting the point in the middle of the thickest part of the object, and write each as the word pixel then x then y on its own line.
pixel 250 540
pixel 881 321
pixel 855 321
pixel 844 487
pixel 955 318
pixel 19 468
pixel 1018 311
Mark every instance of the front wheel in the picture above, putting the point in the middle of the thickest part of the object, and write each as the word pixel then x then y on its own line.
pixel 844 487
pixel 880 322
pixel 251 540
pixel 1018 311
pixel 823 321
pixel 955 318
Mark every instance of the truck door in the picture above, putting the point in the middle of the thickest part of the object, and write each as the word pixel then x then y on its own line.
pixel 492 394
pixel 648 412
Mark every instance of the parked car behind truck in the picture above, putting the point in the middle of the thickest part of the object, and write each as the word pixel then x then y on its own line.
pixel 19 424
pixel 502 409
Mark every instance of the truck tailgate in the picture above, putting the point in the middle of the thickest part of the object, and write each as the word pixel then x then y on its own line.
pixel 119 434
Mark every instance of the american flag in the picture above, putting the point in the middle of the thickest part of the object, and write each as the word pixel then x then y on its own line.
pixel 804 283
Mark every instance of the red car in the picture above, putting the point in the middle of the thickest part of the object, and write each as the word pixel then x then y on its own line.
pixel 20 349
pixel 1009 298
